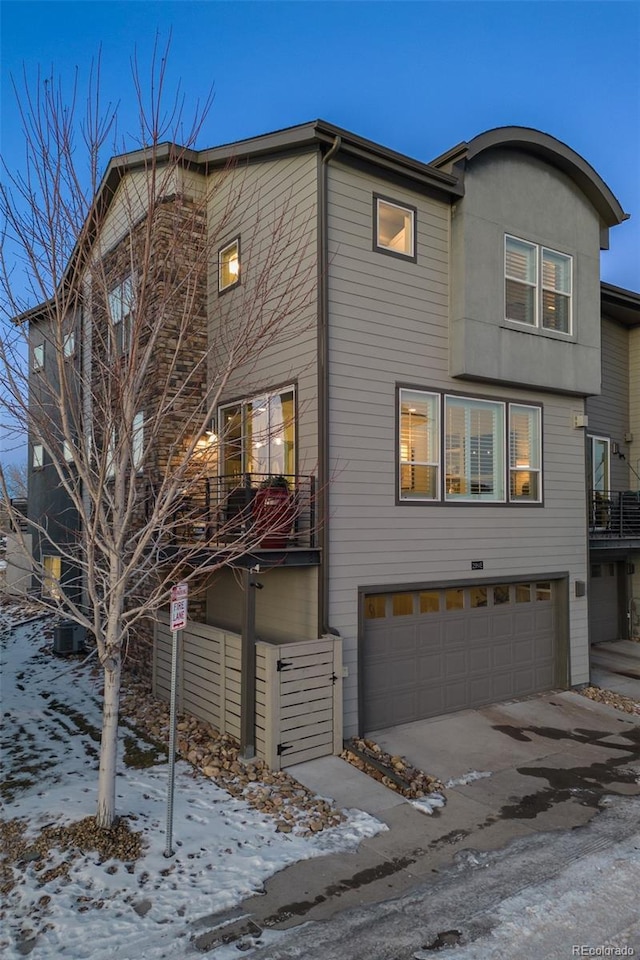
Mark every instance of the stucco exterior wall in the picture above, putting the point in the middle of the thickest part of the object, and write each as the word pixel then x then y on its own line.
pixel 507 192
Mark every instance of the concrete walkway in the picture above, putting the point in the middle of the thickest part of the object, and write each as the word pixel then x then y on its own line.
pixel 510 770
pixel 616 666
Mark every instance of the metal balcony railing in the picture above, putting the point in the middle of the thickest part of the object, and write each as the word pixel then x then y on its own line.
pixel 614 514
pixel 259 511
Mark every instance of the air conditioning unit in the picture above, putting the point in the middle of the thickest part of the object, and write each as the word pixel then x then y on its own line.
pixel 68 638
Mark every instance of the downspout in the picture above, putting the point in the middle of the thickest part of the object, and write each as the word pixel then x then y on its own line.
pixel 323 387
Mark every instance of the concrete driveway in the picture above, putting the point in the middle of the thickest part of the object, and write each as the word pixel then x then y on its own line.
pixel 510 770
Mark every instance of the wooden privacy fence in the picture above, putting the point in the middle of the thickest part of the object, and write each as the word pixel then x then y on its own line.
pixel 298 689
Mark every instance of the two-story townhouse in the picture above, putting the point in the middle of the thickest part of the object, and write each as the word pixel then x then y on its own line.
pixel 613 473
pixel 432 400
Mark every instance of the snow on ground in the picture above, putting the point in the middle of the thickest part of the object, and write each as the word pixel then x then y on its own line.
pixel 139 910
pixel 468 778
pixel 430 803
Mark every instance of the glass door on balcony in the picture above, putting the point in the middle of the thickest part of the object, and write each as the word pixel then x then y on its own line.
pixel 257 435
pixel 600 451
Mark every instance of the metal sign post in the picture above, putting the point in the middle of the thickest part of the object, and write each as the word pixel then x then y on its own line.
pixel 179 605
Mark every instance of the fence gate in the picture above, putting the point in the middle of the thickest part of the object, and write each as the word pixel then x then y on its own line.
pixel 298 689
pixel 298 700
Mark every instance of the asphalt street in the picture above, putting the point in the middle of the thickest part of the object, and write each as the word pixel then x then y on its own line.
pixel 545 897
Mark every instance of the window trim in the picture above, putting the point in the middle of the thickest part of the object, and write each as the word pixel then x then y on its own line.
pixel 51 585
pixel 450 496
pixel 222 250
pixel 409 463
pixel 69 345
pixel 40 457
pixel 244 403
pixel 539 288
pixel 137 442
pixel 120 345
pixel 473 500
pixel 38 357
pixel 381 248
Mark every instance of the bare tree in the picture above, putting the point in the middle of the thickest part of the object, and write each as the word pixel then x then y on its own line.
pixel 16 477
pixel 115 355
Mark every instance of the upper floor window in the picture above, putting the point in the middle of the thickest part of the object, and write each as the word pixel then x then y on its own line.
pixel 137 441
pixel 69 345
pixel 121 303
pixel 37 456
pixel 538 286
pixel 394 228
pixel 490 450
pixel 258 435
pixel 38 357
pixel 229 265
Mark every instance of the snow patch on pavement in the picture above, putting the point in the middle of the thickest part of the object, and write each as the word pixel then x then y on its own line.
pixel 468 778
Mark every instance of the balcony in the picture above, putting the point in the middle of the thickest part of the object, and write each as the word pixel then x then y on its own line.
pixel 614 515
pixel 247 519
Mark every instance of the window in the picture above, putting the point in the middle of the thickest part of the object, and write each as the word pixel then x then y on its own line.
pixel 38 357
pixel 110 455
pixel 121 304
pixel 468 449
pixel 599 453
pixel 52 570
pixel 538 286
pixel 524 453
pixel 67 451
pixel 500 595
pixel 259 435
pixel 375 607
pixel 430 602
pixel 69 345
pixel 474 449
pixel 402 604
pixel 37 456
pixel 137 441
pixel 394 228
pixel 419 445
pixel 229 265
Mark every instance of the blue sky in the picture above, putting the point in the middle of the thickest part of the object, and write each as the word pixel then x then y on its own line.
pixel 418 77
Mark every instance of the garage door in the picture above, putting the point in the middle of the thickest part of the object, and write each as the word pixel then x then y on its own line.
pixel 430 652
pixel 603 603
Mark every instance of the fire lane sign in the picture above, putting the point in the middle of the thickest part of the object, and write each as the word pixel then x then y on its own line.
pixel 179 606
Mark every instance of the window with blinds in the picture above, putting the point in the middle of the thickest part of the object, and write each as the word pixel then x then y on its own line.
pixel 474 449
pixel 524 453
pixel 491 450
pixel 419 445
pixel 538 286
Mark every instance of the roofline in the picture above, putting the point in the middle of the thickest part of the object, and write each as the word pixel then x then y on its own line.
pixel 320 133
pixel 621 304
pixel 551 150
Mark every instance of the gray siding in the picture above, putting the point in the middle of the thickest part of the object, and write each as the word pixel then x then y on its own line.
pixel 609 412
pixel 272 206
pixel 389 324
